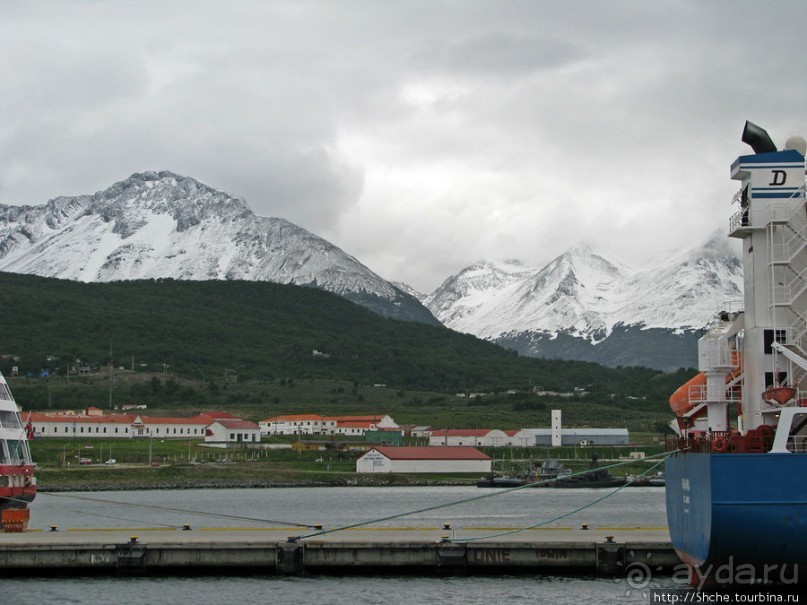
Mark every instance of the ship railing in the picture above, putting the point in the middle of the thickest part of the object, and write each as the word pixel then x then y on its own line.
pixel 797 444
pixel 701 442
pixel 731 309
pixel 739 220
pixel 755 441
pixel 718 356
pixel 785 252
pixel 794 336
pixel 698 394
pixel 797 216
pixel 787 293
pixel 756 217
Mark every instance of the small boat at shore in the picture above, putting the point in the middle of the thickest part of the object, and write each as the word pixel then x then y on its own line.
pixel 501 481
pixel 552 473
pixel 594 477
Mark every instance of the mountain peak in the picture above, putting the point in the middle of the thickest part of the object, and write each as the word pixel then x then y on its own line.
pixel 586 295
pixel 165 225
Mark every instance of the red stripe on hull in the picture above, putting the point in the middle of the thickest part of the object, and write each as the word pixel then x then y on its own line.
pixel 17 496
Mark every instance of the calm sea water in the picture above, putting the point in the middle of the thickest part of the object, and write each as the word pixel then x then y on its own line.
pixel 337 506
pixel 333 507
pixel 325 590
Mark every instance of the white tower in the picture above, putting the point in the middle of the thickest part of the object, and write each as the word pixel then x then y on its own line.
pixel 556 428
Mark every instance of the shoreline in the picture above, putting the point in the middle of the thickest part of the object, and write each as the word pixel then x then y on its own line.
pixel 102 486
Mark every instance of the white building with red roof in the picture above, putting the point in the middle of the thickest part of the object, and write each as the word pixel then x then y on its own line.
pixel 126 426
pixel 359 425
pixel 520 438
pixel 228 430
pixel 61 424
pixel 314 424
pixel 167 427
pixel 297 424
pixel 450 459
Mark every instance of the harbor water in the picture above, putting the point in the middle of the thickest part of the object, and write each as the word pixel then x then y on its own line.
pixel 335 507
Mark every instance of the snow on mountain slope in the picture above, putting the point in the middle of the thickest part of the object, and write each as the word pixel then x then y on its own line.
pixel 162 225
pixel 584 295
pixel 473 291
pixel 684 290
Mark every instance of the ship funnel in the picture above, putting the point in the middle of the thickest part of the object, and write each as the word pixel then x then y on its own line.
pixel 758 138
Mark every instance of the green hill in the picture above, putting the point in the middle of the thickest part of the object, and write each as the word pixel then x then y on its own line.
pixel 266 332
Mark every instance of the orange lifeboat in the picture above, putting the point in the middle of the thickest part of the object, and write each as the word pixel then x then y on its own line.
pixel 779 395
pixel 680 400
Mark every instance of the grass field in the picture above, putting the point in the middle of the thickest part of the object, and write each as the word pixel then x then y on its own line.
pixel 185 463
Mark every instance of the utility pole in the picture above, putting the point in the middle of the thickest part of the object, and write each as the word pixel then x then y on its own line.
pixel 111 375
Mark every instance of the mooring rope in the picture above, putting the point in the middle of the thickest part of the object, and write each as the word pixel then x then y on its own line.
pixel 563 516
pixel 182 510
pixel 96 514
pixel 466 500
pixel 145 523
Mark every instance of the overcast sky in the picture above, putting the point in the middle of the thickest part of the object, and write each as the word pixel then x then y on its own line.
pixel 417 136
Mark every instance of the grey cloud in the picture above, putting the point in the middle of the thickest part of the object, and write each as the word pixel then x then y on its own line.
pixel 499 53
pixel 623 114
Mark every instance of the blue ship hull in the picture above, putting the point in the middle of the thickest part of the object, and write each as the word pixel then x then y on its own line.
pixel 738 508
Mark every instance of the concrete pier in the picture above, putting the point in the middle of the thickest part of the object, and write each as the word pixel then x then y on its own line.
pixel 606 551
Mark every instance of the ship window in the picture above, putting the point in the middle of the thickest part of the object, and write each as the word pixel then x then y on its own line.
pixel 5 393
pixel 797 440
pixel 771 336
pixel 15 451
pixel 9 420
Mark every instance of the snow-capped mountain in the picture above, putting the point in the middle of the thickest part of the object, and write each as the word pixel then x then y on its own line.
pixel 583 305
pixel 162 225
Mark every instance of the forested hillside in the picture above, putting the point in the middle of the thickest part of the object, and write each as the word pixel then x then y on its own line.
pixel 262 331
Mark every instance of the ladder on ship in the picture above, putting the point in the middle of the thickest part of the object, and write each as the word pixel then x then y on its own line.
pixel 787 270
